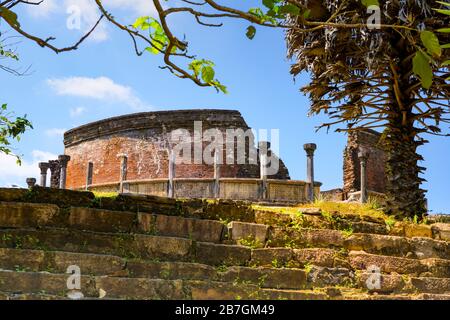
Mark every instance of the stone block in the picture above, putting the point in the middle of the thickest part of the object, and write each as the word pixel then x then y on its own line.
pixel 196 229
pixel 253 231
pixel 139 288
pixel 218 254
pixel 441 231
pixel 330 277
pixel 418 230
pixel 171 270
pixel 22 215
pixel 431 285
pixel 101 220
pixel 362 261
pixel 274 257
pixel 388 283
pixel 266 277
pixel 163 247
pixel 315 256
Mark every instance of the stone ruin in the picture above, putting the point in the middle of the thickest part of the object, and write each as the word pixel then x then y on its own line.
pixel 142 141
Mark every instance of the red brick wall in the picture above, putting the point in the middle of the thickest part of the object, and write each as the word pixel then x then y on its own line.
pixel 376 163
pixel 144 138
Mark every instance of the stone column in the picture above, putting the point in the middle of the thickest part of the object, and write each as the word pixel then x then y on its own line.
pixel 31 182
pixel 264 147
pixel 123 170
pixel 63 160
pixel 310 148
pixel 89 174
pixel 171 186
pixel 44 166
pixel 363 155
pixel 54 173
pixel 216 175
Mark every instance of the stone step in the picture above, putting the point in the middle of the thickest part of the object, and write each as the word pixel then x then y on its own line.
pixel 401 284
pixel 36 285
pixel 23 260
pixel 360 260
pixel 125 245
pixel 181 249
pixel 416 247
pixel 31 215
pixel 313 218
pixel 19 215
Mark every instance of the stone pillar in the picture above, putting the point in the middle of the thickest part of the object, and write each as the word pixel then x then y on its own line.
pixel 44 166
pixel 54 173
pixel 89 174
pixel 310 148
pixel 263 147
pixel 31 182
pixel 171 186
pixel 216 175
pixel 363 155
pixel 123 170
pixel 63 160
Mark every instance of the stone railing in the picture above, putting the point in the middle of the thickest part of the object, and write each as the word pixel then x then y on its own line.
pixel 228 188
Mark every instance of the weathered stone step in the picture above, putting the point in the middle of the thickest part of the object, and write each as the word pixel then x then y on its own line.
pixel 106 265
pixel 181 249
pixel 401 284
pixel 417 247
pixel 125 245
pixel 313 218
pixel 28 284
pixel 29 296
pixel 361 260
pixel 31 215
pixel 355 260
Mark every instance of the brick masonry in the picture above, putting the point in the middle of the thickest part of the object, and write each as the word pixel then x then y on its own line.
pixel 145 139
pixel 370 140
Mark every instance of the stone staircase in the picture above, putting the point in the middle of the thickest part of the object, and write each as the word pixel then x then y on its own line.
pixel 133 247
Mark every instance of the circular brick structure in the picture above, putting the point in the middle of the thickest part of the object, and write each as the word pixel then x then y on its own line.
pixel 145 139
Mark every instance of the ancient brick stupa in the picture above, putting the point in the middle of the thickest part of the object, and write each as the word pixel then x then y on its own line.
pixel 145 139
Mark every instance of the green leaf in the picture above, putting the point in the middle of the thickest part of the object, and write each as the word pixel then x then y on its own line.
pixel 290 9
pixel 422 68
pixel 268 3
pixel 446 46
pixel 208 74
pixel 368 3
pixel 445 63
pixel 443 11
pixel 444 30
pixel 431 42
pixel 251 31
pixel 444 3
pixel 306 14
pixel 10 17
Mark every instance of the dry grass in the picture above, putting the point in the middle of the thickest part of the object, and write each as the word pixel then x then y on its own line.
pixel 369 209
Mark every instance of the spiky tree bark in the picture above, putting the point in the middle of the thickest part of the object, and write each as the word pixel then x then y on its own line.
pixel 364 78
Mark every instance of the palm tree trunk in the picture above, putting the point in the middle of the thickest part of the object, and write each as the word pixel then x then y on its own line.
pixel 405 198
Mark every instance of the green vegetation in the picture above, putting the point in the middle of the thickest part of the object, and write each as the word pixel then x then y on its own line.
pixel 11 128
pixel 250 242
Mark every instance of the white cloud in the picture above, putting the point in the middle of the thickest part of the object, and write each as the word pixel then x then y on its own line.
pixel 11 173
pixel 101 88
pixel 55 132
pixel 43 10
pixel 89 12
pixel 76 112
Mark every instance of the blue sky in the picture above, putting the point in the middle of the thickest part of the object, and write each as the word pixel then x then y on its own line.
pixel 105 78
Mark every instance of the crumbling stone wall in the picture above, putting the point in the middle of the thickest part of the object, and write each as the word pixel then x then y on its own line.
pixel 145 139
pixel 370 140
